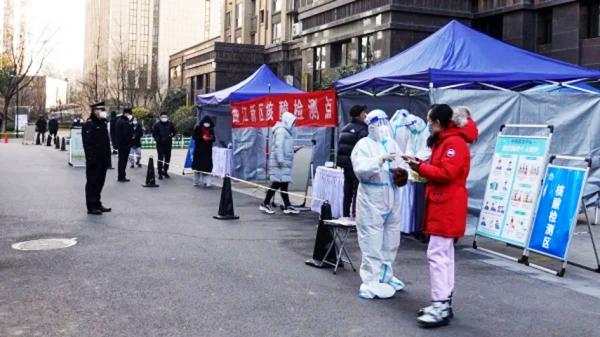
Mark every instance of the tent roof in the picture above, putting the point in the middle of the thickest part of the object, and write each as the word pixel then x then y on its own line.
pixel 459 54
pixel 256 85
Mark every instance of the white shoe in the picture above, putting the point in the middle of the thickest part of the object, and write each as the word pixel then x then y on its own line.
pixel 436 315
pixel 266 209
pixel 376 290
pixel 291 210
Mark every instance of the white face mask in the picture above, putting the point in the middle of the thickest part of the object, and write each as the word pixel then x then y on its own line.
pixel 103 114
pixel 164 119
pixel 130 117
pixel 135 122
pixel 206 125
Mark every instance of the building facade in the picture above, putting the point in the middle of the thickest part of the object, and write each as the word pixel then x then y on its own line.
pixel 322 40
pixel 15 30
pixel 128 42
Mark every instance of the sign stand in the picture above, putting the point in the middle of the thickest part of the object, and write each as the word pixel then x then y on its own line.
pixel 556 216
pixel 513 186
pixel 76 152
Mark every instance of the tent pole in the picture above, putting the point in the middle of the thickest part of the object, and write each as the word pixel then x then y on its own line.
pixel 415 87
pixel 579 89
pixel 364 92
pixel 455 85
pixel 388 90
pixel 493 86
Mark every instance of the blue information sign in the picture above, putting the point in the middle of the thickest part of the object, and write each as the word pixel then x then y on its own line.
pixel 557 211
pixel 189 158
pixel 512 188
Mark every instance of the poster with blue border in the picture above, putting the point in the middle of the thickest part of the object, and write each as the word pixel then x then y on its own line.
pixel 189 157
pixel 557 211
pixel 512 188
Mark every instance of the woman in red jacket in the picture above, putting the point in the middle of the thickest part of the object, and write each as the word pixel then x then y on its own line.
pixel 446 211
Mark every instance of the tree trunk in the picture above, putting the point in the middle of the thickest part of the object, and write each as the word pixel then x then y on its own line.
pixel 6 106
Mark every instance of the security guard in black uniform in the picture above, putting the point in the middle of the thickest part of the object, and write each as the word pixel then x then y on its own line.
pixel 96 145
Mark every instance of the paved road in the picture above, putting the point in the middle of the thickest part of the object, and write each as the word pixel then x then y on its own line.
pixel 159 265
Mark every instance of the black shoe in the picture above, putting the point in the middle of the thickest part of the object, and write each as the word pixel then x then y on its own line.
pixel 105 209
pixel 124 180
pixel 139 165
pixel 159 177
pixel 95 211
pixel 166 175
pixel 132 166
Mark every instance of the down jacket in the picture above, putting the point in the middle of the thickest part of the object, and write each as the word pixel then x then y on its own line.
pixel 281 156
pixel 447 172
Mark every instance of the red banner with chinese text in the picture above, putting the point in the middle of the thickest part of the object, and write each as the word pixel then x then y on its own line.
pixel 312 109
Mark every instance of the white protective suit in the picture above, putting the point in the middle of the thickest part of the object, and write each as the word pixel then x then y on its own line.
pixel 377 206
pixel 411 133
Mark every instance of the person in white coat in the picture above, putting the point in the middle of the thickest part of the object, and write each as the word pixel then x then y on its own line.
pixel 281 160
pixel 377 207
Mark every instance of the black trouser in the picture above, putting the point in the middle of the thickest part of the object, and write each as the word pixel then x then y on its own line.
pixel 278 186
pixel 350 187
pixel 41 136
pixel 52 134
pixel 123 159
pixel 164 157
pixel 95 174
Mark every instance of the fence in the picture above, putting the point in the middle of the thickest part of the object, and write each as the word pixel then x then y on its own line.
pixel 179 142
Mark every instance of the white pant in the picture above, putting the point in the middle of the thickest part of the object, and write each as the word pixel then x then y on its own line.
pixel 135 155
pixel 440 254
pixel 201 178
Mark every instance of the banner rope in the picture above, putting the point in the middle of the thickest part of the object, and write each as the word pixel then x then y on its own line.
pixel 222 176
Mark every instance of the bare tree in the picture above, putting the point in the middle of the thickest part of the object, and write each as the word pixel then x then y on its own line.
pixel 18 68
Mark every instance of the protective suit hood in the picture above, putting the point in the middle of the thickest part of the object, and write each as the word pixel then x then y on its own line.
pixel 379 125
pixel 287 122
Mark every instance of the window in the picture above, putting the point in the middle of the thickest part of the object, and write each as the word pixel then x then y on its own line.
pixel 340 54
pixel 227 20
pixel 261 16
pixel 545 26
pixel 365 49
pixel 319 56
pixel 276 6
pixel 492 26
pixel 276 32
pixel 591 18
pixel 239 15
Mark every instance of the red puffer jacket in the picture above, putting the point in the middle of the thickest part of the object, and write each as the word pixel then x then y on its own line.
pixel 447 172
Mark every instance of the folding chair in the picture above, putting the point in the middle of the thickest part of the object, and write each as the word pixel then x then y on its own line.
pixel 340 230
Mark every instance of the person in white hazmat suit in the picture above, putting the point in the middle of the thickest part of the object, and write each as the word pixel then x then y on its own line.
pixel 377 207
pixel 411 133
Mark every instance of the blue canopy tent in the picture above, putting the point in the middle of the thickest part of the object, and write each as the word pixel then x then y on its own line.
pixel 459 56
pixel 262 82
pixel 248 144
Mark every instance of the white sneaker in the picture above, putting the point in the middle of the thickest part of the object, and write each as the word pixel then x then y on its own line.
pixel 436 315
pixel 291 210
pixel 266 209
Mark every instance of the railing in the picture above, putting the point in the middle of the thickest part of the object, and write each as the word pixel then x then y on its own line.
pixel 179 142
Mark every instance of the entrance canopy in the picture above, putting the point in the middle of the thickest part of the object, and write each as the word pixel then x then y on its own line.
pixel 459 55
pixel 262 82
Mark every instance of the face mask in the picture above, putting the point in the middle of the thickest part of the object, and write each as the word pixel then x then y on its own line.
pixel 130 117
pixel 135 122
pixel 103 114
pixel 164 119
pixel 206 125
